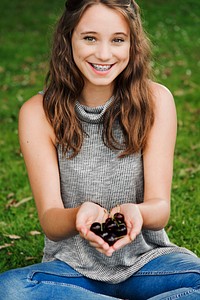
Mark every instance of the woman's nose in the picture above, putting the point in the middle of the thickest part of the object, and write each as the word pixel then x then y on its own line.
pixel 103 51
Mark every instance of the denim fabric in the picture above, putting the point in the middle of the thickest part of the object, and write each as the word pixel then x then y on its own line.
pixel 168 277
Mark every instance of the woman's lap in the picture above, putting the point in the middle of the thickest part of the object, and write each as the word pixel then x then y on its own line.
pixel 166 274
pixel 56 280
pixel 46 281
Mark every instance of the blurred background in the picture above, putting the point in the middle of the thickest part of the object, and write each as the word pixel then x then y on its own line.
pixel 25 37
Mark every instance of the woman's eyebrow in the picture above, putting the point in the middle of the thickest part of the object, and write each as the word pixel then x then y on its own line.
pixel 94 32
pixel 120 33
pixel 88 32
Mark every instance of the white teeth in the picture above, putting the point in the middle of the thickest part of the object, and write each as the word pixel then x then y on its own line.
pixel 101 67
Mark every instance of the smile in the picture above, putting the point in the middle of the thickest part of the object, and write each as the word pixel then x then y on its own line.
pixel 101 68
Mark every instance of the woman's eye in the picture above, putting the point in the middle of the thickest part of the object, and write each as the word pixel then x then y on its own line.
pixel 118 40
pixel 90 38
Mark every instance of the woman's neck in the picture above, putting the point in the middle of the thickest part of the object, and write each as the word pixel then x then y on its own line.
pixel 95 96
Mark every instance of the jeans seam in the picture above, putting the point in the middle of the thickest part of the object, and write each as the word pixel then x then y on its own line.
pixel 154 273
pixel 179 295
pixel 32 273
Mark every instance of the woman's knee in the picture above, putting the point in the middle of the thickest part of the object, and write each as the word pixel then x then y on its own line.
pixel 13 285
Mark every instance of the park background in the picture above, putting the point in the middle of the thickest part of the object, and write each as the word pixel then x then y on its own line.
pixel 25 37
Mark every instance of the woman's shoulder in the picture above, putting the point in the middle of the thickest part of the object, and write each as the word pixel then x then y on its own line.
pixel 159 90
pixel 33 116
pixel 160 93
pixel 162 98
pixel 32 105
pixel 164 106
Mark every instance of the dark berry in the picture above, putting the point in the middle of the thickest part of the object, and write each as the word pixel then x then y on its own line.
pixel 108 220
pixel 121 230
pixel 96 228
pixel 112 230
pixel 110 239
pixel 103 235
pixel 110 225
pixel 119 218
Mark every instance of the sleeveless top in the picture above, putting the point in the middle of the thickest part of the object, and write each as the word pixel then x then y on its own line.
pixel 97 174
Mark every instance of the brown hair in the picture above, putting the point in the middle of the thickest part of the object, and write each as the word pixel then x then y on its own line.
pixel 64 84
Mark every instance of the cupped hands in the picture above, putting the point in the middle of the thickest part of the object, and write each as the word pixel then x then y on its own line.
pixel 90 213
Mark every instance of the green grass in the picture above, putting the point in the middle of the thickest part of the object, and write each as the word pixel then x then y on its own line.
pixel 176 41
pixel 25 31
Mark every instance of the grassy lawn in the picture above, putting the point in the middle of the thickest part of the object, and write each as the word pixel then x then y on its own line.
pixel 25 31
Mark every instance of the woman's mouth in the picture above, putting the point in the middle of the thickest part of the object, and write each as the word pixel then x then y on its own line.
pixel 101 68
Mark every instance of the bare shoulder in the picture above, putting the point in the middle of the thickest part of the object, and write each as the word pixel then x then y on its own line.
pixel 163 101
pixel 32 117
pixel 161 94
pixel 32 106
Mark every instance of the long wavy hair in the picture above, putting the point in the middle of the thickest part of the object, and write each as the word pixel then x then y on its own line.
pixel 64 84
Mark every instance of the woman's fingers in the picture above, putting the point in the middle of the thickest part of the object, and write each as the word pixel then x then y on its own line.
pixel 90 212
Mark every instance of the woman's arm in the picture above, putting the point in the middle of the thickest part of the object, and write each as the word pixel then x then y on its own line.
pixel 158 161
pixel 37 141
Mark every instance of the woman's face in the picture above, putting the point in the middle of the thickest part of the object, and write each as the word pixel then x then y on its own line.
pixel 100 45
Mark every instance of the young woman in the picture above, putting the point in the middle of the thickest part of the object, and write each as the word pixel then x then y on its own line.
pixel 100 140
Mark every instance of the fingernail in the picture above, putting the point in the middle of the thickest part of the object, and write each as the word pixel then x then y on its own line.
pixel 132 237
pixel 84 232
pixel 109 253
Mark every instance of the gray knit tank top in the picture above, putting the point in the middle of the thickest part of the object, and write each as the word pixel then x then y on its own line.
pixel 97 174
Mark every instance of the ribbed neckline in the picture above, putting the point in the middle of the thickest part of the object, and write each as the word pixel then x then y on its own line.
pixel 92 114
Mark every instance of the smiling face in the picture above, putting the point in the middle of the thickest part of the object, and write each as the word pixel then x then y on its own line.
pixel 100 45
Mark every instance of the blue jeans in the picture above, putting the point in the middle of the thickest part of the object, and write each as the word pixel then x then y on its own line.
pixel 168 277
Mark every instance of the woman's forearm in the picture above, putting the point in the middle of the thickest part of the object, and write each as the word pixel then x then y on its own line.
pixel 155 213
pixel 59 223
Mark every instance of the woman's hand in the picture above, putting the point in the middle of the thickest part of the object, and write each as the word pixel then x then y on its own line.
pixel 89 213
pixel 134 222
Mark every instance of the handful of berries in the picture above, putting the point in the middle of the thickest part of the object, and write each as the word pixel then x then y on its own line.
pixel 111 230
